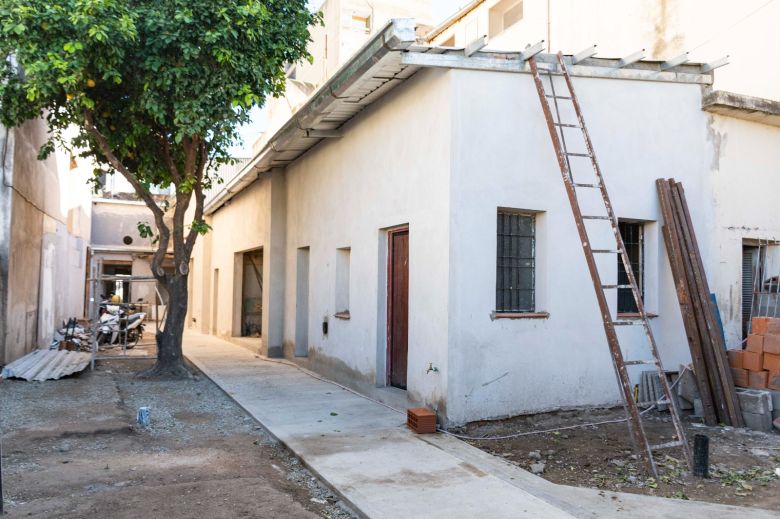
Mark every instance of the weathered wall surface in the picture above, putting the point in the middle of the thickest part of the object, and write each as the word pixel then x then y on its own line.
pixel 745 165
pixel 664 28
pixel 237 227
pixel 47 234
pixel 113 220
pixel 502 157
pixel 390 168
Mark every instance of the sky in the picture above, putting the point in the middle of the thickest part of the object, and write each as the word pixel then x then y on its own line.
pixel 441 10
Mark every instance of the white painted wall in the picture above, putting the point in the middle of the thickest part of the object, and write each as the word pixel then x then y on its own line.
pixel 441 153
pixel 503 157
pixel 708 29
pixel 746 178
pixel 390 168
pixel 241 226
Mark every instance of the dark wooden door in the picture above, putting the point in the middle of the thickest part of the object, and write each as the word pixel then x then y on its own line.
pixel 398 308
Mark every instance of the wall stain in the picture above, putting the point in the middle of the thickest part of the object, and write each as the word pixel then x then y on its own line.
pixel 665 45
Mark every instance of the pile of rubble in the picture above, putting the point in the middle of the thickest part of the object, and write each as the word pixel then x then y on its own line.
pixel 75 335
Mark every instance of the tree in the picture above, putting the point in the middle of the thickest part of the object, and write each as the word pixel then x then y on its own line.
pixel 153 90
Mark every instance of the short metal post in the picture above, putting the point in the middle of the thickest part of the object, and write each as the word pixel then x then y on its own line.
pixel 701 456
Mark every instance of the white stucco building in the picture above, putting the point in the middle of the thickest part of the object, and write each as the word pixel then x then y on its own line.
pixel 381 208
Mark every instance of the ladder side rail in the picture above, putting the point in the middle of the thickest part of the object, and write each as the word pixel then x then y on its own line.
pixel 635 424
pixel 627 266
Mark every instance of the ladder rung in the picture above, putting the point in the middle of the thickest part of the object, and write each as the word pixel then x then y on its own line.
pixel 557 97
pixel 667 445
pixel 578 184
pixel 605 251
pixel 637 362
pixel 615 286
pixel 595 217
pixel 577 154
pixel 567 125
pixel 628 323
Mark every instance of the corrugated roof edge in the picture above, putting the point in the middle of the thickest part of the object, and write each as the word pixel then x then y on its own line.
pixel 398 34
pixel 740 106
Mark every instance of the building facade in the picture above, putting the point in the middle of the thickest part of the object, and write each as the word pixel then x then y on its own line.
pixel 381 209
pixel 44 233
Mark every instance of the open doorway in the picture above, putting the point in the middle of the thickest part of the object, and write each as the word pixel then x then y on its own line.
pixel 118 287
pixel 252 294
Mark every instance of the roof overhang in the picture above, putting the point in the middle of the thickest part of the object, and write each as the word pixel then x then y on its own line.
pixel 387 59
pixel 749 108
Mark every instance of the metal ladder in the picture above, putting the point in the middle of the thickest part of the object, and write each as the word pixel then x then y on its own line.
pixel 557 129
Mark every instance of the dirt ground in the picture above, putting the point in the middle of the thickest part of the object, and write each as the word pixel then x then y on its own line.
pixel 71 448
pixel 742 467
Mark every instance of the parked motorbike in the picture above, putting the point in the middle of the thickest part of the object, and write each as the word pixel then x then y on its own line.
pixel 116 320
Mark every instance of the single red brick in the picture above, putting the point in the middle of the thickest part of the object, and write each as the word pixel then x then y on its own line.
pixel 758 379
pixel 765 325
pixel 755 343
pixel 758 325
pixel 772 344
pixel 740 377
pixel 735 358
pixel 771 362
pixel 773 380
pixel 753 361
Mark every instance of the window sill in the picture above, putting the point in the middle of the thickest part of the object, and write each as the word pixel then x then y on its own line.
pixel 519 315
pixel 634 315
pixel 344 316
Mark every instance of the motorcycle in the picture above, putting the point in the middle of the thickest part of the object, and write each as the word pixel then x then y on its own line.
pixel 116 321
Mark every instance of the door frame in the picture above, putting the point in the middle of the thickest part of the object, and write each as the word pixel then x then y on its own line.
pixel 391 232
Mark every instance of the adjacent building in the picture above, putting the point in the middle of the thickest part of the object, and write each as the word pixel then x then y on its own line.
pixel 44 233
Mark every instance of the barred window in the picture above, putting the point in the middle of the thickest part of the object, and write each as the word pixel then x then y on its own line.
pixel 633 238
pixel 515 261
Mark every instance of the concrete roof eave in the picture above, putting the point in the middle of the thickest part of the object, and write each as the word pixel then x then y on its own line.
pixel 386 60
pixel 739 106
pixel 342 88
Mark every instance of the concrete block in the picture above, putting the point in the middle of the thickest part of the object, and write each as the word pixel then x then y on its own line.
pixel 698 408
pixel 753 361
pixel 758 422
pixel 755 401
pixel 687 387
pixel 775 396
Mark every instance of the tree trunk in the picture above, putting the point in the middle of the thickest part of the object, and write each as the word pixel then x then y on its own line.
pixel 170 360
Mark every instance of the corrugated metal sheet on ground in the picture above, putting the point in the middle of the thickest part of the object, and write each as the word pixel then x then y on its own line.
pixel 47 364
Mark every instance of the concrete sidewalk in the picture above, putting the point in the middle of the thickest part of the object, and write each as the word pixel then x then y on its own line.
pixel 366 453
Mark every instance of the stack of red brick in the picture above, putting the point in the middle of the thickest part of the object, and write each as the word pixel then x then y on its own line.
pixel 758 365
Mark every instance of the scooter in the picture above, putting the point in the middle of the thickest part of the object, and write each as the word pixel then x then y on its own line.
pixel 115 322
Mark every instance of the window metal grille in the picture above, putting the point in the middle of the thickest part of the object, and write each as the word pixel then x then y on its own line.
pixel 633 238
pixel 515 262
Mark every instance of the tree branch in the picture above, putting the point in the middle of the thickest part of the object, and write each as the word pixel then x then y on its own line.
pixel 199 195
pixel 157 212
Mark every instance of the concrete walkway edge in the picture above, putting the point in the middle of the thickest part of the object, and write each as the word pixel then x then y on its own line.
pixel 363 451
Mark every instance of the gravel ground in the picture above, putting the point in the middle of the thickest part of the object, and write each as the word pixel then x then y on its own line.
pixel 742 467
pixel 71 448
